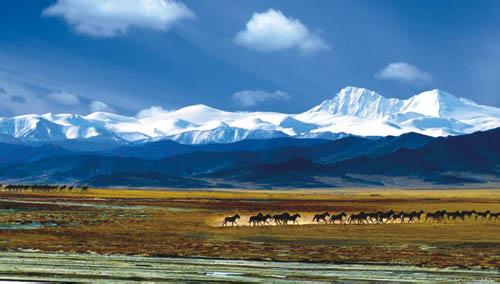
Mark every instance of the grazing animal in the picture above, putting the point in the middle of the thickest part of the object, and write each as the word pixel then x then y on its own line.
pixel 231 219
pixel 338 217
pixel 321 217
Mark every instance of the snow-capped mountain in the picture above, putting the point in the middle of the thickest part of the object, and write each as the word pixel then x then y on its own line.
pixel 365 113
pixel 49 127
pixel 353 111
pixel 224 134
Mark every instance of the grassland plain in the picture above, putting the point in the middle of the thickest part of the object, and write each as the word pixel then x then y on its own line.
pixel 188 224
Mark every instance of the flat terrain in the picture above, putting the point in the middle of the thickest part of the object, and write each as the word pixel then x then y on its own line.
pixel 64 267
pixel 188 224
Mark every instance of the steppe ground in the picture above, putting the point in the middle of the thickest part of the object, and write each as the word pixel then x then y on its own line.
pixel 188 223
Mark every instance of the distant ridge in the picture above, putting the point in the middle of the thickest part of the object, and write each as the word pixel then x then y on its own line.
pixel 408 160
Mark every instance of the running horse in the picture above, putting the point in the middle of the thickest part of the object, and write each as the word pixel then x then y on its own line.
pixel 255 220
pixel 321 217
pixel 293 218
pixel 338 217
pixel 231 219
pixel 281 219
pixel 360 218
pixel 259 219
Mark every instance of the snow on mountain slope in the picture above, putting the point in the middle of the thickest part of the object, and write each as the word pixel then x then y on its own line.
pixel 53 127
pixel 223 134
pixel 354 111
pixel 435 113
pixel 358 102
pixel 31 127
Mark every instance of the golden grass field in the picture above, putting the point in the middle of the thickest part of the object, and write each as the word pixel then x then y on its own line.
pixel 187 223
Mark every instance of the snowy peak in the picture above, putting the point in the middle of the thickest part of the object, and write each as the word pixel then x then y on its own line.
pixel 364 103
pixel 198 113
pixel 32 127
pixel 438 103
pixel 359 102
pixel 434 103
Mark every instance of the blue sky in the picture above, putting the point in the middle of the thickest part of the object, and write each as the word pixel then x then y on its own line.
pixel 287 56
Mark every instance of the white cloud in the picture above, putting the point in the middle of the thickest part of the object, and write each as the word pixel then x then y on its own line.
pixel 253 97
pixel 64 98
pixel 152 111
pixel 109 18
pixel 98 106
pixel 273 31
pixel 404 72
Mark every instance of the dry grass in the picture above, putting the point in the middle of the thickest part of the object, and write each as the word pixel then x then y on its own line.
pixel 297 194
pixel 186 223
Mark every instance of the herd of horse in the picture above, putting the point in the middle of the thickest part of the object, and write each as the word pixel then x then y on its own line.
pixel 366 217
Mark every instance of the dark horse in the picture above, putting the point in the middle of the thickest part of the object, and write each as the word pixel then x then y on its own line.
pixel 281 219
pixel 359 218
pixel 259 219
pixel 293 218
pixel 321 217
pixel 437 216
pixel 231 219
pixel 494 216
pixel 483 215
pixel 338 217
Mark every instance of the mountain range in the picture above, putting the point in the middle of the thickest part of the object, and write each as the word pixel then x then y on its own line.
pixel 408 160
pixel 358 138
pixel 353 111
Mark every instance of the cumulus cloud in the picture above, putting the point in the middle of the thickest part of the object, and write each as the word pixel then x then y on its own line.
pixel 64 98
pixel 404 72
pixel 152 111
pixel 273 31
pixel 253 97
pixel 109 18
pixel 98 106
